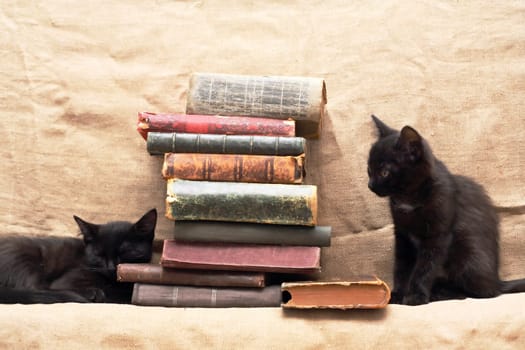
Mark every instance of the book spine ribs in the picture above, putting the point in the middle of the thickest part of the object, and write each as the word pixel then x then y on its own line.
pixel 160 143
pixel 234 168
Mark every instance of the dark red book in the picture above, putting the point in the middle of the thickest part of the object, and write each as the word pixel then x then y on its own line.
pixel 156 274
pixel 212 124
pixel 241 257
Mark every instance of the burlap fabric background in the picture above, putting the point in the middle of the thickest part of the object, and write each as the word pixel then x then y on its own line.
pixel 74 75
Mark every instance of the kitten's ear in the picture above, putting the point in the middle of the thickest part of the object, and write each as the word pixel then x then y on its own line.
pixel 411 143
pixel 384 130
pixel 146 224
pixel 88 230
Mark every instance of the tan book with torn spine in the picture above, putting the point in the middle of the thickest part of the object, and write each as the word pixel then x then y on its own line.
pixel 360 293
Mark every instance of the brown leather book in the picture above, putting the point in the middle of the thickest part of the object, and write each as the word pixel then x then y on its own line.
pixel 361 293
pixel 234 167
pixel 302 99
pixel 156 274
pixel 183 296
pixel 241 257
pixel 283 204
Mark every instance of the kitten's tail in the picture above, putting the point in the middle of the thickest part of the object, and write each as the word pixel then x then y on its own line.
pixel 26 296
pixel 513 286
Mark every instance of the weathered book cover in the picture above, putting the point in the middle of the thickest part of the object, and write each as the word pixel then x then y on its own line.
pixel 184 296
pixel 241 202
pixel 302 99
pixel 156 274
pixel 212 124
pixel 241 257
pixel 240 232
pixel 234 167
pixel 361 293
pixel 160 143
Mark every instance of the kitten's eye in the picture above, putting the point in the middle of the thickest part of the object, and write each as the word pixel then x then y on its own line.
pixel 385 173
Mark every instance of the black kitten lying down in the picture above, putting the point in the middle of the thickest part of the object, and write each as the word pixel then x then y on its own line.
pixel 446 228
pixel 66 269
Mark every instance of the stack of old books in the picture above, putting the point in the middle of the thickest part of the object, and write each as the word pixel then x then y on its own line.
pixel 234 165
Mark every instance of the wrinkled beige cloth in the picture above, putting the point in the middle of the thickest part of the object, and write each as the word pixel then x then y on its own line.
pixel 480 324
pixel 73 78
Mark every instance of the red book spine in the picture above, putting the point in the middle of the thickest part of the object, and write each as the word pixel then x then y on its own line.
pixel 241 257
pixel 213 124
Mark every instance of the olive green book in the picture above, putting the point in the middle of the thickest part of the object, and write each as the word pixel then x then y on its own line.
pixel 282 204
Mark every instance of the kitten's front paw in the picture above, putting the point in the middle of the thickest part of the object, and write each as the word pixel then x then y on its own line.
pixel 94 295
pixel 416 299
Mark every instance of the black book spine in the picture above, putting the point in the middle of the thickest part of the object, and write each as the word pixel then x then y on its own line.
pixel 254 233
pixel 160 143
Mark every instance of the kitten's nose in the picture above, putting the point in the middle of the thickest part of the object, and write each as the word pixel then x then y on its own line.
pixel 371 185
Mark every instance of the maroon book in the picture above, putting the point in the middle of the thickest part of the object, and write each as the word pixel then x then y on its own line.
pixel 241 257
pixel 156 274
pixel 212 124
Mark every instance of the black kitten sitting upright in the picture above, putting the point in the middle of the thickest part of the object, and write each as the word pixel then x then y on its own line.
pixel 446 228
pixel 66 269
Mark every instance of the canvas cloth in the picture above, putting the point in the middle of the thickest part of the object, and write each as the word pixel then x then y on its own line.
pixel 74 76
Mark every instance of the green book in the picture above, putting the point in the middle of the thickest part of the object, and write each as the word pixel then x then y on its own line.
pixel 160 143
pixel 242 202
pixel 245 232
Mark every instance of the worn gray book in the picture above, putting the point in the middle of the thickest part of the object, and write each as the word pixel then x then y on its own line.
pixel 302 99
pixel 184 296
